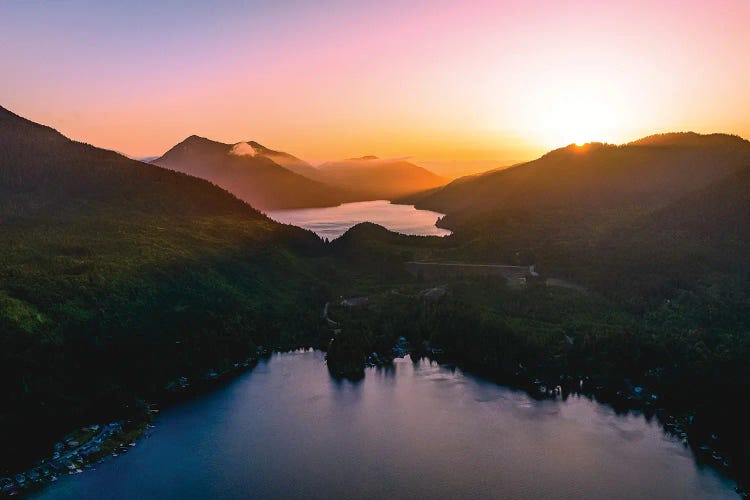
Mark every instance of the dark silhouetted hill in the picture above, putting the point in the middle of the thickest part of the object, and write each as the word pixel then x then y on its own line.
pixel 692 139
pixel 720 212
pixel 642 175
pixel 41 169
pixel 698 237
pixel 117 276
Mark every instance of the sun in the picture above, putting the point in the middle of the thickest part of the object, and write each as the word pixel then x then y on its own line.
pixel 575 113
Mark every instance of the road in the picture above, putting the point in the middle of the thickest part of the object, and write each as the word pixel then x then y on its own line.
pixel 325 315
pixel 516 275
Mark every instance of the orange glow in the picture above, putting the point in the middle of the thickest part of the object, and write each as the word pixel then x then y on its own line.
pixel 472 82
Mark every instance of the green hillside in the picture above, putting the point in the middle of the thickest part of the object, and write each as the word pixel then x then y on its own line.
pixel 117 276
pixel 592 178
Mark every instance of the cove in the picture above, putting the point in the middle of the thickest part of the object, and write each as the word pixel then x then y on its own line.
pixel 288 430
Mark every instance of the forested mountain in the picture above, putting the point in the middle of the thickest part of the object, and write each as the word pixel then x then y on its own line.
pixel 595 177
pixel 374 178
pixel 599 213
pixel 250 171
pixel 692 140
pixel 117 276
pixel 41 170
pixel 658 234
pixel 720 211
pixel 702 239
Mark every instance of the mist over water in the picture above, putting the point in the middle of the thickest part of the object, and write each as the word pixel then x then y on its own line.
pixel 416 430
pixel 332 222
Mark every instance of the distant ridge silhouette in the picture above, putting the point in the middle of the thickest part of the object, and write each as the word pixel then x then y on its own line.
pixel 371 177
pixel 250 171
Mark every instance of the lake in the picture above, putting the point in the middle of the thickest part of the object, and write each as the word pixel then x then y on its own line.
pixel 332 222
pixel 288 430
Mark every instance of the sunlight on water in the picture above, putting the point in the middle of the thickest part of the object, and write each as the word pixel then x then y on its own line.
pixel 413 430
pixel 332 222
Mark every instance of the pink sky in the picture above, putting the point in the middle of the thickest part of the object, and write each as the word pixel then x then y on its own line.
pixel 470 82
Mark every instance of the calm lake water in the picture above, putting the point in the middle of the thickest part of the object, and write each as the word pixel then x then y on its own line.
pixel 332 222
pixel 288 430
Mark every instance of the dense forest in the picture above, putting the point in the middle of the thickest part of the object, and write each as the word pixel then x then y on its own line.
pixel 117 277
pixel 657 233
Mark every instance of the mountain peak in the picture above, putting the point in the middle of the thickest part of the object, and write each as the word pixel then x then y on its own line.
pixel 44 169
pixel 260 148
pixel 366 157
pixel 196 143
pixel 692 139
pixel 578 149
pixel 195 139
pixel 266 179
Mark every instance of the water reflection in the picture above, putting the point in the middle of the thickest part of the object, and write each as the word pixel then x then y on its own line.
pixel 332 222
pixel 289 430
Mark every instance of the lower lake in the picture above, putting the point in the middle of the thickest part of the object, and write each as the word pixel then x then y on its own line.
pixel 286 429
pixel 332 222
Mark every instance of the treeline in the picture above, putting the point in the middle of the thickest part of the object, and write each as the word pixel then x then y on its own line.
pixel 691 353
pixel 117 277
pixel 97 313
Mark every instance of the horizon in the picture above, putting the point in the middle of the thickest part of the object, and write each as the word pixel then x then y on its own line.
pixel 345 249
pixel 347 80
pixel 480 166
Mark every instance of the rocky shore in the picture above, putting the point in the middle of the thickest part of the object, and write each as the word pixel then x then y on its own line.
pixel 84 448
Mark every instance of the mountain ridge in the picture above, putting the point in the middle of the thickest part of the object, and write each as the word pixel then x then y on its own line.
pixel 117 276
pixel 250 174
pixel 375 178
pixel 43 168
pixel 597 175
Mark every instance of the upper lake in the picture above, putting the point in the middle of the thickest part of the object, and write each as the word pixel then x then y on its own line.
pixel 332 222
pixel 414 430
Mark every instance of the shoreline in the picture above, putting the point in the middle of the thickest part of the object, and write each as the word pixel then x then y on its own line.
pixel 118 437
pixel 72 455
pixel 621 396
pixel 627 398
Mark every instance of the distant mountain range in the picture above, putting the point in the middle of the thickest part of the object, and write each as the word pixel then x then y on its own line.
pixel 270 180
pixel 375 178
pixel 249 171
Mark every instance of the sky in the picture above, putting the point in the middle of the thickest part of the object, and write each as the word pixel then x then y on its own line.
pixel 455 85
